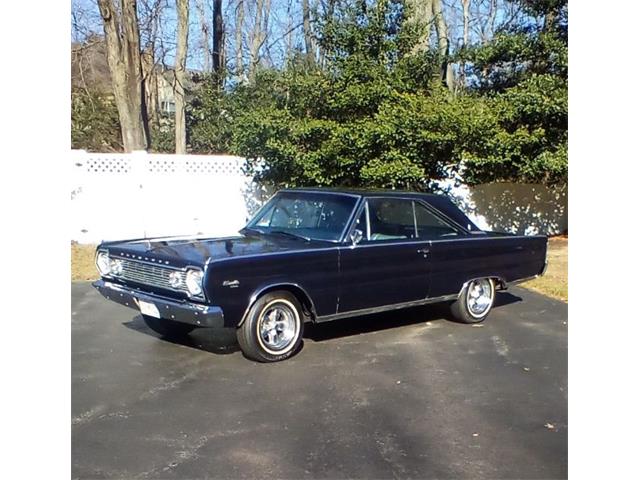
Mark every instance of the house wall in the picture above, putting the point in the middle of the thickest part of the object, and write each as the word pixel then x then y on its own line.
pixel 117 196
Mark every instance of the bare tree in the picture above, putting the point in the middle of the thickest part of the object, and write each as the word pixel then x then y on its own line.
pixel 204 32
pixel 422 19
pixel 151 86
pixel 484 16
pixel 306 28
pixel 256 40
pixel 238 39
pixel 123 53
pixel 443 44
pixel 465 39
pixel 218 41
pixel 465 22
pixel 150 13
pixel 182 8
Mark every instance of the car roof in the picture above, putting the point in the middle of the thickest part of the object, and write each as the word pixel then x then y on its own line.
pixel 442 203
pixel 362 192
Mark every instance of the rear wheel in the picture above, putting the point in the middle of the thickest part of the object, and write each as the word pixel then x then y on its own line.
pixel 273 328
pixel 475 301
pixel 167 328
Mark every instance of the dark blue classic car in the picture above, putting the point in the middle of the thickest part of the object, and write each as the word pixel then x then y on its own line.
pixel 314 255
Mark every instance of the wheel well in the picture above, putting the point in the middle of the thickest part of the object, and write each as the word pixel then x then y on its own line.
pixel 500 283
pixel 308 309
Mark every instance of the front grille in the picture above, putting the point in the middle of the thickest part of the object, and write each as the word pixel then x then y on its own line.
pixel 153 275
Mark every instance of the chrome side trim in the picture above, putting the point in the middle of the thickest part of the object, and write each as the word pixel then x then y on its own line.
pixel 384 308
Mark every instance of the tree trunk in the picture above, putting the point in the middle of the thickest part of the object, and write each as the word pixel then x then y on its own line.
pixel 443 44
pixel 238 40
pixel 465 39
pixel 256 41
pixel 204 31
pixel 465 22
pixel 487 31
pixel 123 55
pixel 151 86
pixel 549 20
pixel 421 18
pixel 182 9
pixel 306 28
pixel 218 41
pixel 329 14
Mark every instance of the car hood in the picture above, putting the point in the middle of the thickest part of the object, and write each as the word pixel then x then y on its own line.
pixel 192 251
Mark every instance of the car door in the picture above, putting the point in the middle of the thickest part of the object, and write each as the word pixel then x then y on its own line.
pixel 390 264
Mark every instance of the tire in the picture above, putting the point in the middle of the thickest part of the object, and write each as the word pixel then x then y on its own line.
pixel 475 301
pixel 272 330
pixel 168 328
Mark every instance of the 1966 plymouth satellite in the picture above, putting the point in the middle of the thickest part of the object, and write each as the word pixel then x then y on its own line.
pixel 313 255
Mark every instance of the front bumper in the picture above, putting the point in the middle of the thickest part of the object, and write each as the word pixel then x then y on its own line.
pixel 176 310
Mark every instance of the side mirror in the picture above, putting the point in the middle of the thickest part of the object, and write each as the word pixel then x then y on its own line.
pixel 356 236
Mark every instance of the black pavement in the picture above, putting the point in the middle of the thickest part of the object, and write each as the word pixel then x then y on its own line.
pixel 406 394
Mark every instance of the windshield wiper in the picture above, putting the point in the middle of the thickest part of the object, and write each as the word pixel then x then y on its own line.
pixel 290 234
pixel 281 232
pixel 254 229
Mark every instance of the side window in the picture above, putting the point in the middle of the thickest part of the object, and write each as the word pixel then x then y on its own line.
pixel 430 226
pixel 361 224
pixel 390 219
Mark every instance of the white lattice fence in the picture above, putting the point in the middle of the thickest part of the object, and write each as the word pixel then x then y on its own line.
pixel 135 195
pixel 116 196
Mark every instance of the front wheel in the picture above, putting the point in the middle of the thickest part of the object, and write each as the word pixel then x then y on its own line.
pixel 167 328
pixel 475 301
pixel 273 328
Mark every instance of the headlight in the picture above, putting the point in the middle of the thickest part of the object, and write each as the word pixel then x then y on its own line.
pixel 103 263
pixel 194 282
pixel 116 267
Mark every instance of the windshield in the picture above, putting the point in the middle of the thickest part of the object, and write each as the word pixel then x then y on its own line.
pixel 306 215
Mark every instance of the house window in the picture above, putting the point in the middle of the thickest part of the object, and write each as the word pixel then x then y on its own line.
pixel 168 107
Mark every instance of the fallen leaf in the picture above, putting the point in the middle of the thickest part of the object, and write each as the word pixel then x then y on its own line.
pixel 475 434
pixel 526 369
pixel 550 426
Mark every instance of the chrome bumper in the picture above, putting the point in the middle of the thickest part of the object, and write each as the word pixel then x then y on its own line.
pixel 178 311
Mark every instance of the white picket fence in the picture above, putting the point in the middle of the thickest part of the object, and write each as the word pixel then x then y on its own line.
pixel 117 196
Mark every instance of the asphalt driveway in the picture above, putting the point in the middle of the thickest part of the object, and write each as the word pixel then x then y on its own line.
pixel 407 394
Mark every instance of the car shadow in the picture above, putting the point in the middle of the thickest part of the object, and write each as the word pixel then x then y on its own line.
pixel 222 341
pixel 397 318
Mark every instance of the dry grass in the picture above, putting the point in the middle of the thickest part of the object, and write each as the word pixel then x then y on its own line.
pixel 82 263
pixel 555 282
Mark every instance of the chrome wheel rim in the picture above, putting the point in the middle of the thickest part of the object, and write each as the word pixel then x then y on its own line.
pixel 278 326
pixel 479 297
